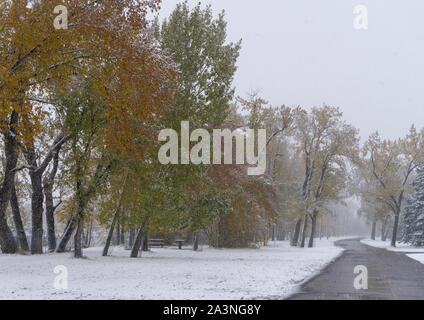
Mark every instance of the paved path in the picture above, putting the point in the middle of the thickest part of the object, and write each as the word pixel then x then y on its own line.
pixel 391 275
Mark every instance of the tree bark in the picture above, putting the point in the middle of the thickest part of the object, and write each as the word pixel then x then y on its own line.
pixel 118 232
pixel 48 183
pixel 122 236
pixel 77 237
pixel 121 223
pixel 387 230
pixel 131 238
pixel 7 240
pixel 383 230
pixel 112 227
pixel 17 219
pixel 295 238
pixel 83 200
pixel 89 235
pixel 395 229
pixel 51 234
pixel 137 243
pixel 37 213
pixel 313 228
pixel 69 230
pixel 145 246
pixel 305 227
pixel 374 224
pixel 196 242
pixel 36 174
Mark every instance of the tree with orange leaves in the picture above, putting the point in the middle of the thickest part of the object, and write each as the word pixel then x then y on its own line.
pixel 109 43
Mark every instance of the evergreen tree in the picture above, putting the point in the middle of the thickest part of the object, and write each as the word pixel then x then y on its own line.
pixel 408 221
pixel 413 223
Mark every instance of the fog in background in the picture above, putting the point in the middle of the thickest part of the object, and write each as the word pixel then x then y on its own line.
pixel 307 52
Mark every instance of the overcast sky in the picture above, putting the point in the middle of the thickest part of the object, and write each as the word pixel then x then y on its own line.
pixel 307 52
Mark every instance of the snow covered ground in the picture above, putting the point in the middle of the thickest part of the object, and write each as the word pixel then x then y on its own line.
pixel 413 252
pixel 400 247
pixel 168 273
pixel 417 256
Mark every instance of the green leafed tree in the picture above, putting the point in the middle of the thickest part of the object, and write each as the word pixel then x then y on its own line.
pixel 207 63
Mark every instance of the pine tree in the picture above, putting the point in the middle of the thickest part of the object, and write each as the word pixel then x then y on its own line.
pixel 413 223
pixel 408 221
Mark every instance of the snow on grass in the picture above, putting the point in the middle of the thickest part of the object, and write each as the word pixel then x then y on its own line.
pixel 417 256
pixel 168 273
pixel 400 247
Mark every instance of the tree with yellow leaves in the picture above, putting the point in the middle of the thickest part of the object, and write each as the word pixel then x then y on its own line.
pixel 109 43
pixel 326 143
pixel 390 165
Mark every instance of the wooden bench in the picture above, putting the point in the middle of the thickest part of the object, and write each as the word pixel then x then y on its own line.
pixel 180 243
pixel 156 243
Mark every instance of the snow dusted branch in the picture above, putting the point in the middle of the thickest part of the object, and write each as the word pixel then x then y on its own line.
pixel 22 168
pixel 60 140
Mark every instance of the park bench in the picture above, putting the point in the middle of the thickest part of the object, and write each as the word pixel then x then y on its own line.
pixel 156 242
pixel 179 242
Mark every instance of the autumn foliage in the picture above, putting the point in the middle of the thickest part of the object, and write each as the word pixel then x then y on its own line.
pixel 107 42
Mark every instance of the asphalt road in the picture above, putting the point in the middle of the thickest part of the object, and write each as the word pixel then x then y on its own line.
pixel 391 276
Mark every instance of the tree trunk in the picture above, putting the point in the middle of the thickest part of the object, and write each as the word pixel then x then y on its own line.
pixel 196 242
pixel 112 227
pixel 295 238
pixel 118 232
pixel 395 229
pixel 85 238
pixel 37 213
pixel 383 230
pixel 37 198
pixel 374 224
pixel 137 243
pixel 7 240
pixel 145 246
pixel 122 236
pixel 90 232
pixel 122 223
pixel 82 204
pixel 387 230
pixel 78 236
pixel 313 228
pixel 283 234
pixel 17 219
pixel 115 220
pixel 77 220
pixel 131 238
pixel 69 230
pixel 50 207
pixel 36 175
pixel 305 227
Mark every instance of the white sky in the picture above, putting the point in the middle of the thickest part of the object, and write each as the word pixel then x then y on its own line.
pixel 307 52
